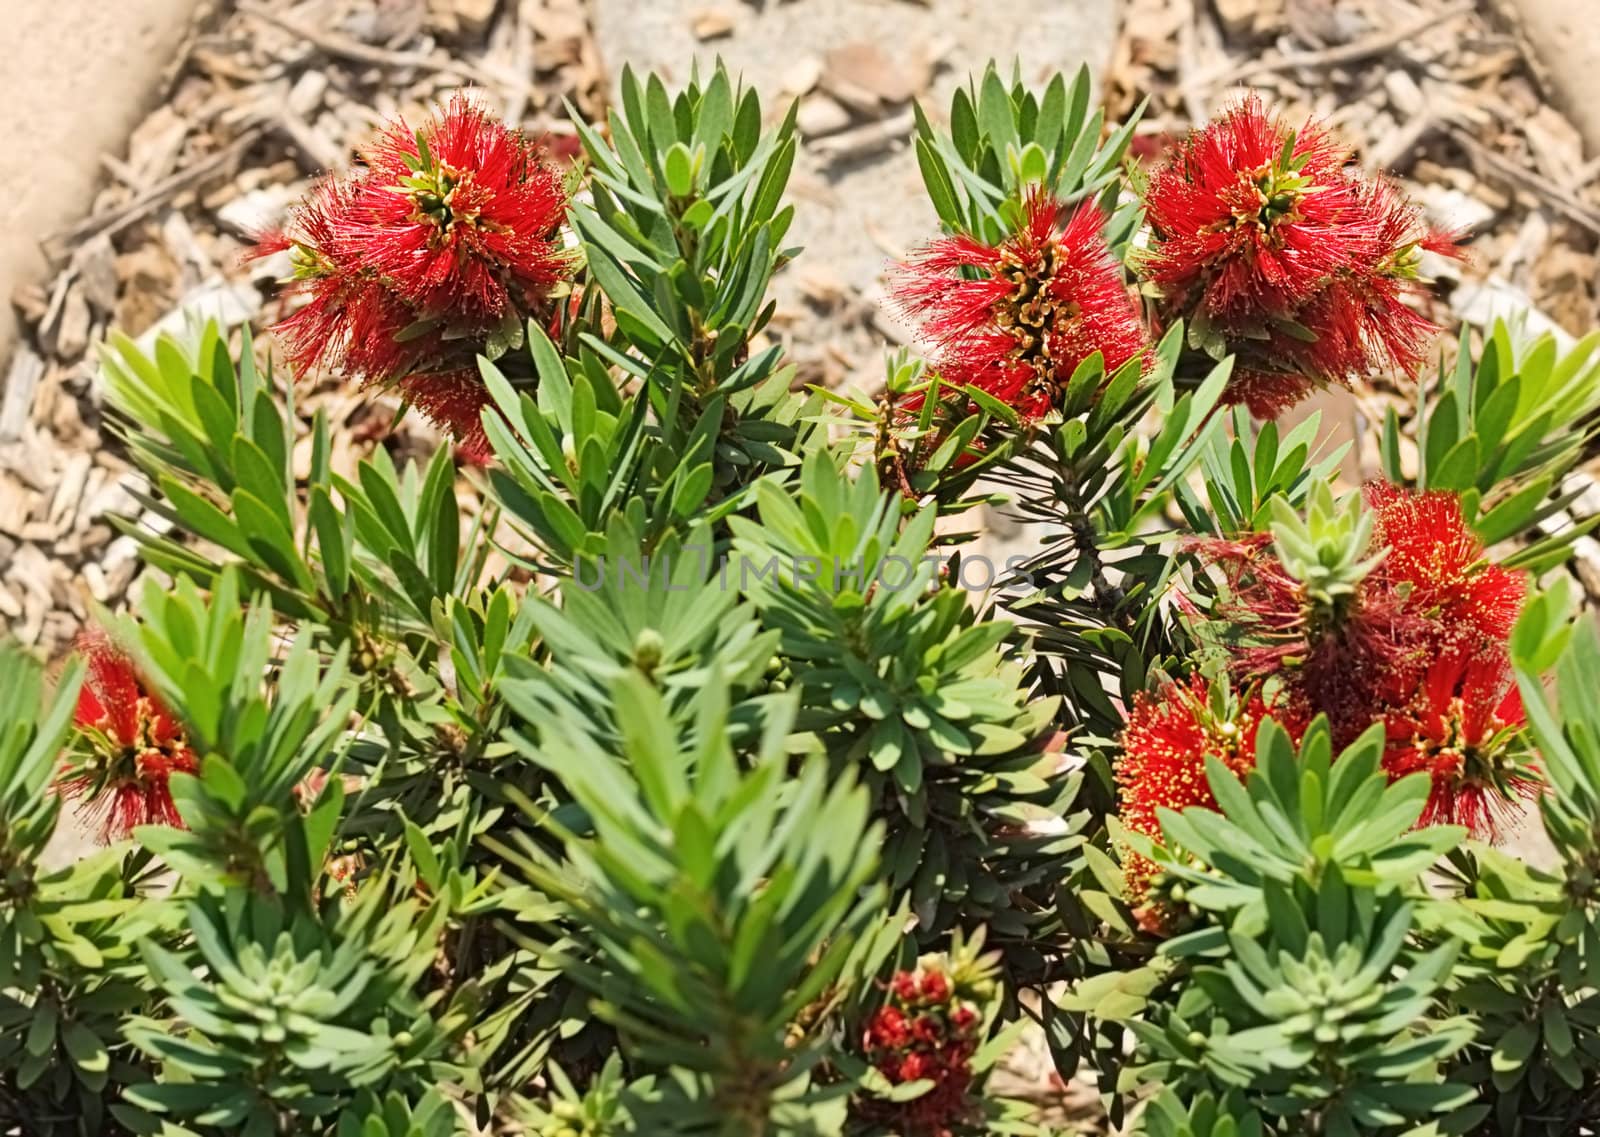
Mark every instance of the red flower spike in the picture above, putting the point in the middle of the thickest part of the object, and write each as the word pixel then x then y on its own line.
pixel 455 400
pixel 1434 553
pixel 411 264
pixel 1262 236
pixel 1164 749
pixel 1433 592
pixel 915 1066
pixel 1251 216
pixel 1460 730
pixel 1371 655
pixel 1398 334
pixel 1017 318
pixel 460 216
pixel 135 745
pixel 888 1030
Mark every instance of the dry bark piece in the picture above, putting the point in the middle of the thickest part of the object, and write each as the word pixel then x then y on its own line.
pixel 149 277
pixel 69 493
pixel 1556 146
pixel 713 23
pixel 865 139
pixel 316 150
pixel 1450 208
pixel 114 220
pixel 863 73
pixel 31 302
pixel 1404 93
pixel 16 503
pixel 154 146
pixel 68 337
pixel 474 16
pixel 17 401
pixel 251 214
pixel 802 76
pixel 1355 51
pixel 305 97
pixel 229 303
pixel 96 262
pixel 820 285
pixel 819 115
pixel 1238 17
pixel 556 24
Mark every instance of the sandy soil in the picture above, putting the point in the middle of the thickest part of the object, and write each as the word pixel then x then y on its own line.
pixel 75 78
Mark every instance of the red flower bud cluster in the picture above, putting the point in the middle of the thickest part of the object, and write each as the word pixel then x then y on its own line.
pixel 1262 235
pixel 928 1030
pixel 448 236
pixel 130 745
pixel 1419 646
pixel 1016 318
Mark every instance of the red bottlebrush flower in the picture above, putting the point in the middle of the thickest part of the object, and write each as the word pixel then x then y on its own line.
pixel 132 747
pixel 1262 237
pixel 1346 664
pixel 349 319
pixel 1361 321
pixel 1250 216
pixel 1433 552
pixel 1431 593
pixel 1461 731
pixel 1265 393
pixel 935 986
pixel 460 216
pixel 1164 749
pixel 916 1065
pixel 1016 319
pixel 411 265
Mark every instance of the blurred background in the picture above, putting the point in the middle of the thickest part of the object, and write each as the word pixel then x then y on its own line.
pixel 157 135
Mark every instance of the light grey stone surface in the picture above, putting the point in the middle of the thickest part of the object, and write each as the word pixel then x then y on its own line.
pixel 75 77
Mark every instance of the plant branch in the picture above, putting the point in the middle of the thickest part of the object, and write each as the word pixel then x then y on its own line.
pixel 1107 597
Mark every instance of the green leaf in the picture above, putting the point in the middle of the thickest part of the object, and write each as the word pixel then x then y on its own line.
pixel 85 1048
pixel 333 541
pixel 679 168
pixel 1515 1047
pixel 423 855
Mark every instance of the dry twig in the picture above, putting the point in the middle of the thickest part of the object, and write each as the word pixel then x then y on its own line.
pixel 342 47
pixel 865 139
pixel 1561 200
pixel 113 220
pixel 1355 52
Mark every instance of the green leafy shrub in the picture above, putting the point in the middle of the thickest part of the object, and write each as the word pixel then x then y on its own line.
pixel 675 765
